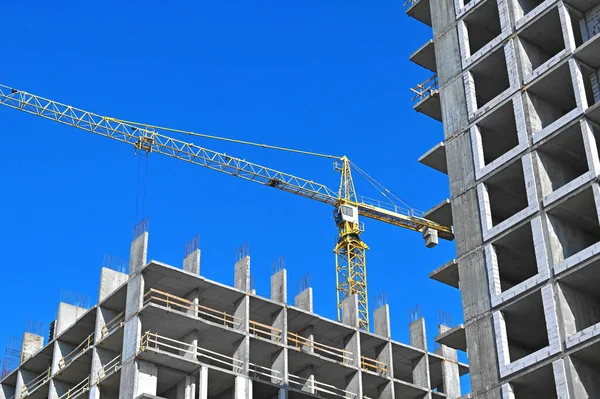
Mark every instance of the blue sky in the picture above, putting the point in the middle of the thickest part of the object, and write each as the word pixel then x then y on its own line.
pixel 328 76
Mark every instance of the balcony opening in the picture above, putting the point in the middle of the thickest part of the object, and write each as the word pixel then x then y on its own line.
pixel 540 41
pixel 573 225
pixel 583 366
pixel 483 25
pixel 515 257
pixel 561 159
pixel 506 192
pixel 498 132
pixel 490 77
pixel 536 384
pixel 525 326
pixel 550 98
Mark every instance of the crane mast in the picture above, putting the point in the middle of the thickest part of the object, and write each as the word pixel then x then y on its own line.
pixel 349 249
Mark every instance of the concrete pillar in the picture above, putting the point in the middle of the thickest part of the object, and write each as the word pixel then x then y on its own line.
pixel 67 315
pixel 304 300
pixel 243 388
pixel 192 340
pixel 137 376
pixel 57 388
pixel 30 345
pixel 386 391
pixel 354 384
pixel 420 366
pixel 381 321
pixel 350 311
pixel 450 372
pixel 186 388
pixel 279 286
pixel 110 280
pixel 203 382
pixel 281 394
pixel 191 261
pixel 242 274
pixel 138 253
pixel 307 374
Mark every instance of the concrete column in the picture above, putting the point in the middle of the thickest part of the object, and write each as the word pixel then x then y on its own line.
pixel 30 345
pixel 279 286
pixel 281 394
pixel 242 274
pixel 354 384
pixel 67 315
pixel 191 261
pixel 308 374
pixel 57 388
pixel 350 311
pixel 381 321
pixel 386 391
pixel 418 339
pixel 304 300
pixel 243 388
pixel 138 253
pixel 203 382
pixel 186 388
pixel 192 340
pixel 110 280
pixel 450 373
pixel 137 376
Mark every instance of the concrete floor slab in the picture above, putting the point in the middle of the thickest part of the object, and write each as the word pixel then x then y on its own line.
pixel 430 106
pixel 454 338
pixel 447 274
pixel 436 158
pixel 425 56
pixel 441 213
pixel 419 10
pixel 77 370
pixel 407 390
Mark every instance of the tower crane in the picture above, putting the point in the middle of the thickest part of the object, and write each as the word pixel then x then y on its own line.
pixel 350 249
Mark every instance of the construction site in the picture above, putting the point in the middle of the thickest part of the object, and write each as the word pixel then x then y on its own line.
pixel 516 88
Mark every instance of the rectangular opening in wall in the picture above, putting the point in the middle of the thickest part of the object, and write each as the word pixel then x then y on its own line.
pixel 583 365
pixel 573 225
pixel 561 159
pixel 538 383
pixel 550 98
pixel 506 192
pixel 515 257
pixel 525 326
pixel 580 298
pixel 524 7
pixel 490 77
pixel 483 25
pixel 498 132
pixel 540 41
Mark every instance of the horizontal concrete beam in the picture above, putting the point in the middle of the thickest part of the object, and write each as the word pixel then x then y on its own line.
pixel 419 10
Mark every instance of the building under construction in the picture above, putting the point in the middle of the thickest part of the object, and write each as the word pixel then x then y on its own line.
pixel 164 331
pixel 516 86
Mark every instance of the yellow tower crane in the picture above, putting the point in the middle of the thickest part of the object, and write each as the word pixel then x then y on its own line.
pixel 351 275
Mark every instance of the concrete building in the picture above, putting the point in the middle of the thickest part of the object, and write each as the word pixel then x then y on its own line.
pixel 163 331
pixel 516 87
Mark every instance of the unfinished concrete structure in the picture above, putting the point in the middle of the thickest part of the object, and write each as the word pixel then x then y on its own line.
pixel 517 89
pixel 168 332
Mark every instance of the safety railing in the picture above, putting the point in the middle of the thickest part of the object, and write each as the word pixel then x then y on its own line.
pixel 318 387
pixel 77 390
pixel 300 342
pixel 159 343
pixel 373 365
pixel 183 305
pixel 264 331
pixel 114 324
pixel 109 369
pixel 262 373
pixel 79 350
pixel 425 89
pixel 35 384
pixel 409 3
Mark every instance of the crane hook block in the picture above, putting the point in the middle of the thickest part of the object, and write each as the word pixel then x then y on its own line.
pixel 430 236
